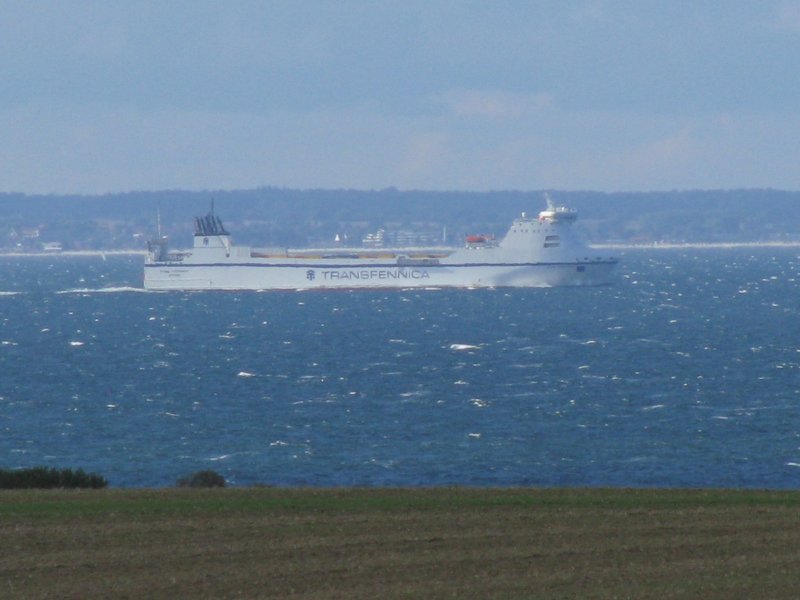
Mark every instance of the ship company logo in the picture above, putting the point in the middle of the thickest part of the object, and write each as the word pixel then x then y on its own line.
pixel 310 275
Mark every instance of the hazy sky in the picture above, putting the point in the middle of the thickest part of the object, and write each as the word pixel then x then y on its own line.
pixel 111 96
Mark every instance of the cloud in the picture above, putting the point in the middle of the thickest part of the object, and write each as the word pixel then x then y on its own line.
pixel 591 12
pixel 100 148
pixel 495 104
pixel 427 153
pixel 675 150
pixel 787 16
pixel 352 95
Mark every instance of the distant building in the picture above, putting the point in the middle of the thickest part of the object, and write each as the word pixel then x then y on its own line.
pixel 374 240
pixel 52 247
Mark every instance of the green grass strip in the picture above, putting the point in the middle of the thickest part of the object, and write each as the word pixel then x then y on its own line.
pixel 77 503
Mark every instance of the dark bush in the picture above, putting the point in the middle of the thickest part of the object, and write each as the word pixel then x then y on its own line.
pixel 49 478
pixel 207 479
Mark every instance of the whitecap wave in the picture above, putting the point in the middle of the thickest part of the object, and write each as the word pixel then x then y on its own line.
pixel 460 347
pixel 105 290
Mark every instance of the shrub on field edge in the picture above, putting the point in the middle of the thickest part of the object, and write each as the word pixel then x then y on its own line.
pixel 49 478
pixel 207 479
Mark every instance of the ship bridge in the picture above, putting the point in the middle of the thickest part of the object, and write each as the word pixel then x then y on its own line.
pixel 556 214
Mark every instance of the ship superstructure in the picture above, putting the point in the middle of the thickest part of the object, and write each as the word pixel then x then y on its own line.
pixel 535 252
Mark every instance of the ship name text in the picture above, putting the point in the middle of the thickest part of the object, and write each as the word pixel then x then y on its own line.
pixel 370 274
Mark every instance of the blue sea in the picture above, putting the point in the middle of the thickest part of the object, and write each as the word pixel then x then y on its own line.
pixel 684 372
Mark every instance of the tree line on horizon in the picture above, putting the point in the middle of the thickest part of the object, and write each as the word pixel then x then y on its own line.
pixel 285 217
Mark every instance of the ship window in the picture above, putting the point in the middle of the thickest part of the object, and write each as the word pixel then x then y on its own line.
pixel 552 244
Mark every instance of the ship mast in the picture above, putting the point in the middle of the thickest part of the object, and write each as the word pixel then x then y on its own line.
pixel 550 204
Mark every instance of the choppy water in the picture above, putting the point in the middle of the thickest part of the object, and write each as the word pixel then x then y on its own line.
pixel 684 373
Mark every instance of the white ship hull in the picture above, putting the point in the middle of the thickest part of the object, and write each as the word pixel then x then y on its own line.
pixel 313 276
pixel 536 252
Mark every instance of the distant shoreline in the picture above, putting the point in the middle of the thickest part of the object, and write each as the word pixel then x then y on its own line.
pixel 696 245
pixel 612 246
pixel 74 253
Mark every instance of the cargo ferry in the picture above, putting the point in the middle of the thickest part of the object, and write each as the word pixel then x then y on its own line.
pixel 537 251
